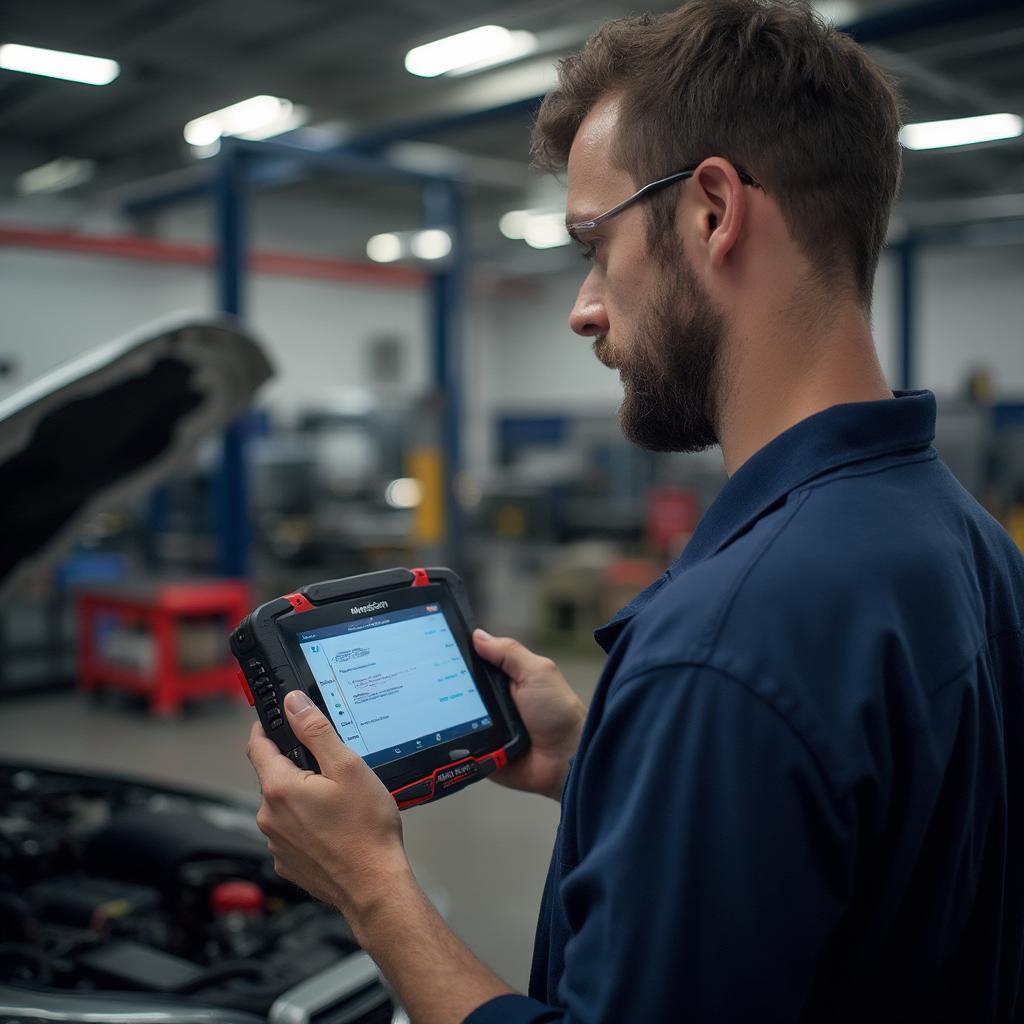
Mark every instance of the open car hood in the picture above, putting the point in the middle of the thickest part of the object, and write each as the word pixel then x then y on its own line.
pixel 112 423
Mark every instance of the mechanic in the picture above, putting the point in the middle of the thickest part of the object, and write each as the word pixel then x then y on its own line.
pixel 797 794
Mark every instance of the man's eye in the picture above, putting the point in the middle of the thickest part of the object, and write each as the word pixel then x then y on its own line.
pixel 589 252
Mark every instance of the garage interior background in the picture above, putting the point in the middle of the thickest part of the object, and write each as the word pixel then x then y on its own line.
pixel 407 272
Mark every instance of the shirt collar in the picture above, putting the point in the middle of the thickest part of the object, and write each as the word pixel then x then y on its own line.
pixel 828 440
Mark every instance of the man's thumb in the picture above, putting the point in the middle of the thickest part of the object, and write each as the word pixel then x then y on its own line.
pixel 508 654
pixel 313 730
pixel 491 647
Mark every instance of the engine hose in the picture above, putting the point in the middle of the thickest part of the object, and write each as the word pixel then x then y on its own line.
pixel 16 951
pixel 223 972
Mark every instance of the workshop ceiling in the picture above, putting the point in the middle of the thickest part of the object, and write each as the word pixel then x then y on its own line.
pixel 344 61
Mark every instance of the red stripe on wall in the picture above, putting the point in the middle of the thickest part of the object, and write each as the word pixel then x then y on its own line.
pixel 284 264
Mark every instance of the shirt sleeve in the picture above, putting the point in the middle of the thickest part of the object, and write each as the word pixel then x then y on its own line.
pixel 514 1009
pixel 714 861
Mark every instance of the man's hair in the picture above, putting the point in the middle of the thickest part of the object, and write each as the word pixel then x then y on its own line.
pixel 764 83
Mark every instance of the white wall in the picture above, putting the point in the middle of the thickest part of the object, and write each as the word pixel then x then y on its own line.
pixel 534 360
pixel 971 314
pixel 57 305
pixel 318 334
pixel 885 318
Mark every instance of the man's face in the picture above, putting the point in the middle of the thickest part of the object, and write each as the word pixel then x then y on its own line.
pixel 649 316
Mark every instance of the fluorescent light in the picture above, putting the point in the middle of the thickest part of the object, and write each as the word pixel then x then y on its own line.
pixel 72 67
pixel 384 248
pixel 542 229
pixel 839 12
pixel 258 117
pixel 405 492
pixel 432 244
pixel 211 149
pixel 469 51
pixel 520 44
pixel 513 224
pixel 545 231
pixel 963 131
pixel 55 176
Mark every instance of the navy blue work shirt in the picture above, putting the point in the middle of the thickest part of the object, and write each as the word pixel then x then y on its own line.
pixel 799 794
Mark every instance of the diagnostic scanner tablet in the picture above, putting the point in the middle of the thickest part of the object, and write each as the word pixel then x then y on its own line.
pixel 387 656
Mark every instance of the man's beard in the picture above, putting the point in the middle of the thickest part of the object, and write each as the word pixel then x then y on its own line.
pixel 669 369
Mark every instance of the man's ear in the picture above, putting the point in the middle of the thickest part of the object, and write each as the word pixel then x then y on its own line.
pixel 721 208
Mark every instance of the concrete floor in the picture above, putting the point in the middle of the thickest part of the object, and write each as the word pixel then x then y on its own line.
pixel 484 852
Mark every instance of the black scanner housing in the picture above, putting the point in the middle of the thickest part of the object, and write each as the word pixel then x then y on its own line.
pixel 272 666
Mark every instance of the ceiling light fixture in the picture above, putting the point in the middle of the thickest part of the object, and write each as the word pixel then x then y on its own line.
pixel 520 44
pixel 258 117
pixel 63 173
pixel 541 229
pixel 469 51
pixel 546 231
pixel 405 492
pixel 206 152
pixel 431 244
pixel 385 248
pixel 962 131
pixel 71 67
pixel 513 224
pixel 838 12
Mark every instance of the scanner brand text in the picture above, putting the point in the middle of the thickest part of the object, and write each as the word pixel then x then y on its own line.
pixel 373 606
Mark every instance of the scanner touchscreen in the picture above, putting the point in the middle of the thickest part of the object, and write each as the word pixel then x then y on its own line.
pixel 394 683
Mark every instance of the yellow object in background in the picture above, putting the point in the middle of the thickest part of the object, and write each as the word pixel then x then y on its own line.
pixel 1015 525
pixel 427 466
pixel 511 521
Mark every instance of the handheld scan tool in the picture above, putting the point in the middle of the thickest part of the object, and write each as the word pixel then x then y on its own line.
pixel 387 656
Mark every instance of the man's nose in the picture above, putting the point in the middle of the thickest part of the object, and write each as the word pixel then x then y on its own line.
pixel 588 317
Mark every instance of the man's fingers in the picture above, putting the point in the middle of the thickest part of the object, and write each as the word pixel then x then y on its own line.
pixel 314 731
pixel 509 655
pixel 268 761
pixel 260 750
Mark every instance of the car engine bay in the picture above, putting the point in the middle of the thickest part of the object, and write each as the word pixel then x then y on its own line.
pixel 127 901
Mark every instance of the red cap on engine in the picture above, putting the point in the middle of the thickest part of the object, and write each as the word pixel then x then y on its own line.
pixel 236 898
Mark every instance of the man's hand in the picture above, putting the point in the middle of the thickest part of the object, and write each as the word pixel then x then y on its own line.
pixel 338 835
pixel 550 710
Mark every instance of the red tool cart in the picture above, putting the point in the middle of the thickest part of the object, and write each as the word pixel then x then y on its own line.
pixel 166 641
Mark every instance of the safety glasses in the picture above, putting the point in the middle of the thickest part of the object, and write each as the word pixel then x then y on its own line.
pixel 643 193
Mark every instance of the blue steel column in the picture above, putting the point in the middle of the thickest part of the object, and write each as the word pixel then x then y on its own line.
pixel 443 207
pixel 232 506
pixel 906 254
